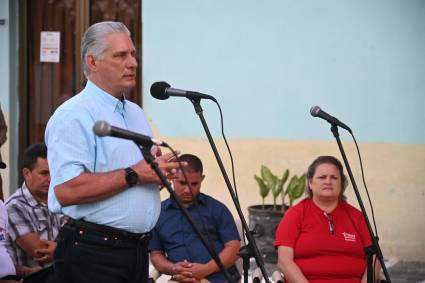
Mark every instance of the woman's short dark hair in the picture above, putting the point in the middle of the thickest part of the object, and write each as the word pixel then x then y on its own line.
pixel 326 160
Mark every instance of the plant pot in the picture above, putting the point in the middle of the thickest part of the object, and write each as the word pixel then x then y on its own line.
pixel 264 222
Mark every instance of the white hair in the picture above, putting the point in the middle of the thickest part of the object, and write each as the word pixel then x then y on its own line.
pixel 94 43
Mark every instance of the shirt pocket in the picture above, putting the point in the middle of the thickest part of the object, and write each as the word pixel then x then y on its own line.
pixel 41 225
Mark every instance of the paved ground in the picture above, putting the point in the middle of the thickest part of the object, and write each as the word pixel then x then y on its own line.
pixel 407 272
pixel 400 271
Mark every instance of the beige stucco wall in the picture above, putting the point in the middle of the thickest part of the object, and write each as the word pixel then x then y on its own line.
pixel 395 175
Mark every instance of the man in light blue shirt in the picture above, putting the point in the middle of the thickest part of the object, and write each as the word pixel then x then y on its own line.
pixel 103 185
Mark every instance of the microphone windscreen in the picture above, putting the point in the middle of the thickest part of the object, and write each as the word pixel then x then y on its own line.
pixel 314 110
pixel 102 128
pixel 158 90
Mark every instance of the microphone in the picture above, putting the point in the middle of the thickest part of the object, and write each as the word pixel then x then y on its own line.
pixel 162 91
pixel 102 129
pixel 315 111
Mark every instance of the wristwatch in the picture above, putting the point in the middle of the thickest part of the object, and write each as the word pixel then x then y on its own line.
pixel 131 177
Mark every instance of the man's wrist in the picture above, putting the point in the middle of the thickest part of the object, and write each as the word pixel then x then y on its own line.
pixel 131 177
pixel 206 270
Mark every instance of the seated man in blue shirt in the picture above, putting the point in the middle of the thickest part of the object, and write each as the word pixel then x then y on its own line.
pixel 176 250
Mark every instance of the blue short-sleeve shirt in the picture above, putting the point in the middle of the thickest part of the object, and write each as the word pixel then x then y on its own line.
pixel 174 235
pixel 73 149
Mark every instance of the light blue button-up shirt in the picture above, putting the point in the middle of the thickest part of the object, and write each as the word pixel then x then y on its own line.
pixel 73 148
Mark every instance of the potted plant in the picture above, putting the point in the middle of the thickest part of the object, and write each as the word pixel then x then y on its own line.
pixel 264 218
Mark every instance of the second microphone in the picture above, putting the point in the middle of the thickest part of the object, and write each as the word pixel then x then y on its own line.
pixel 103 128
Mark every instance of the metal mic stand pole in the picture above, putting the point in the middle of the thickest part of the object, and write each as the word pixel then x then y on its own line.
pixel 374 248
pixel 151 161
pixel 251 250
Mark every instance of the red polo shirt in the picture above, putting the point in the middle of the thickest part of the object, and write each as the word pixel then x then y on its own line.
pixel 324 255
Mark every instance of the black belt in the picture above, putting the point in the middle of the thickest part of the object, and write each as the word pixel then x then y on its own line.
pixel 137 238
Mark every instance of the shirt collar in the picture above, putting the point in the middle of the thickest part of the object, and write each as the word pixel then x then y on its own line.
pixel 320 211
pixel 111 102
pixel 29 197
pixel 170 203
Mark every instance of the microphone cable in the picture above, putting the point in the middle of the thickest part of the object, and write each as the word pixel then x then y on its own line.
pixel 159 91
pixel 231 162
pixel 370 202
pixel 232 168
pixel 366 188
pixel 228 150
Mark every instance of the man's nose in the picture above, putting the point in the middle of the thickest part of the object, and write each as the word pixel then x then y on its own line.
pixel 186 189
pixel 132 62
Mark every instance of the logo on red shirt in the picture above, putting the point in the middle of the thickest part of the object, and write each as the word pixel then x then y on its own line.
pixel 349 237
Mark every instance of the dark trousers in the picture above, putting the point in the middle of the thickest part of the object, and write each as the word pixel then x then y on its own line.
pixel 92 253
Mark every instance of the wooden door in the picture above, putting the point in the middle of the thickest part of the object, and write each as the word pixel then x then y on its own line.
pixel 45 85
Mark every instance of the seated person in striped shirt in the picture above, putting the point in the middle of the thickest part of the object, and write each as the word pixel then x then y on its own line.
pixel 32 227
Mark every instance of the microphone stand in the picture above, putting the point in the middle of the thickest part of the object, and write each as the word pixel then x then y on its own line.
pixel 151 161
pixel 251 249
pixel 374 248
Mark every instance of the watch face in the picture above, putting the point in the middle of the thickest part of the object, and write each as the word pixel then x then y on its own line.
pixel 131 177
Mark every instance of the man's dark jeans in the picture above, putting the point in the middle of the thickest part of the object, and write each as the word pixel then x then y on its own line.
pixel 84 255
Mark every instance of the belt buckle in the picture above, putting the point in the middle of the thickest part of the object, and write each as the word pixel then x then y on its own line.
pixel 143 238
pixel 66 221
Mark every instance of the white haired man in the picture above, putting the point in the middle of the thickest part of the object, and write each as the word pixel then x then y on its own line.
pixel 103 185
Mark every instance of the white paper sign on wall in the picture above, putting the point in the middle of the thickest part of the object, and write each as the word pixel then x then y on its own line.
pixel 50 46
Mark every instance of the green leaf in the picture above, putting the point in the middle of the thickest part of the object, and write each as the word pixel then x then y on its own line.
pixel 291 185
pixel 299 188
pixel 278 190
pixel 264 190
pixel 285 176
pixel 292 188
pixel 268 177
pixel 275 188
pixel 282 181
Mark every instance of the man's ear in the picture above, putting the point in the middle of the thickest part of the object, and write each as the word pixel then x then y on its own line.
pixel 91 62
pixel 26 172
pixel 202 178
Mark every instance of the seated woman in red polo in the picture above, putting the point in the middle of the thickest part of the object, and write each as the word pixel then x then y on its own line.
pixel 322 238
